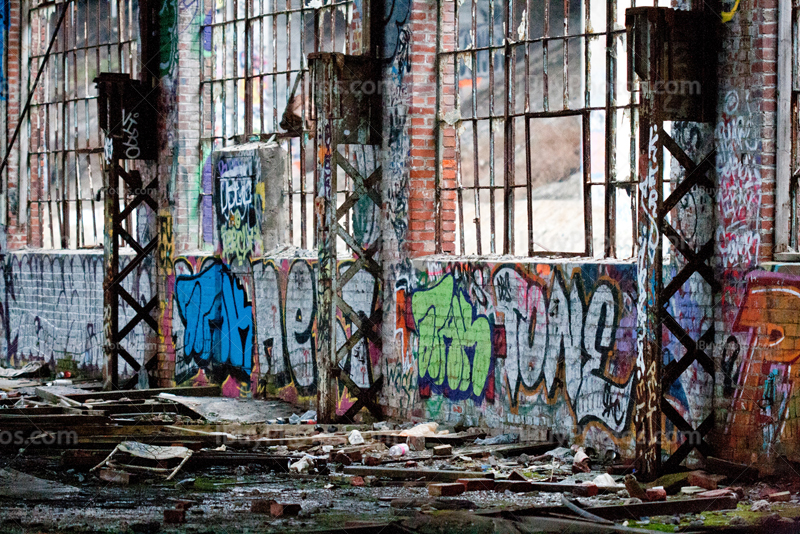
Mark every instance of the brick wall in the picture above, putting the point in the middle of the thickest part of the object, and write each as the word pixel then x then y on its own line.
pixel 16 237
pixel 422 167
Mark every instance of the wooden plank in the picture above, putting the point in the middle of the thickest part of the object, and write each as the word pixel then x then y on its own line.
pixel 67 421
pixel 204 391
pixel 630 511
pixel 55 398
pixel 398 473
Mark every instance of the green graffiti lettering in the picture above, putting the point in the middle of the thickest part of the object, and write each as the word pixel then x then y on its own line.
pixel 455 343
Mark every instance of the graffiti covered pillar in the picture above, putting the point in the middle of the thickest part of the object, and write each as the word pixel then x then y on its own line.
pixel 645 43
pixel 325 210
pixel 348 116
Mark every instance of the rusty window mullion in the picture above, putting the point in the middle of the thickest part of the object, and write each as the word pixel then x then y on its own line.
pixel 610 249
pixel 509 93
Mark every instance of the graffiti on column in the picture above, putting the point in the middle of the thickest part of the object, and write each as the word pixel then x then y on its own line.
pixel 739 191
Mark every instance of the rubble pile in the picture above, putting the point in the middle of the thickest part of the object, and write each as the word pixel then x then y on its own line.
pixel 190 460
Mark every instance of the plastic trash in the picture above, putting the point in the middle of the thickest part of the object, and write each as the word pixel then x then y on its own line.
pixel 294 419
pixel 498 440
pixel 605 480
pixel 310 417
pixel 302 465
pixel 355 438
pixel 401 449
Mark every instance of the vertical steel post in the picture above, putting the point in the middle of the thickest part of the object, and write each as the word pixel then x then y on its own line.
pixel 647 411
pixel 322 78
pixel 111 262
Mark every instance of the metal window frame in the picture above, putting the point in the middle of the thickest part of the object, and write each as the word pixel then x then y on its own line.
pixel 65 97
pixel 294 74
pixel 509 47
pixel 787 171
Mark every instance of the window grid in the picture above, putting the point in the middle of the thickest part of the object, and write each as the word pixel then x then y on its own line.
pixel 254 63
pixel 65 145
pixel 561 72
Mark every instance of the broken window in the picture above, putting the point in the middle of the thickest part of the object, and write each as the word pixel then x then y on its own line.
pixel 255 86
pixel 64 145
pixel 537 129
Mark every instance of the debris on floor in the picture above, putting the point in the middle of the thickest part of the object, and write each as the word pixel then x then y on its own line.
pixel 162 459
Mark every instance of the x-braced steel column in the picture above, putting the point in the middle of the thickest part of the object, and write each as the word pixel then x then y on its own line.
pixel 344 116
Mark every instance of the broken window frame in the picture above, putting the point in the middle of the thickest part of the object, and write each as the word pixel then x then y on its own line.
pixel 279 77
pixel 502 183
pixel 787 161
pixel 61 133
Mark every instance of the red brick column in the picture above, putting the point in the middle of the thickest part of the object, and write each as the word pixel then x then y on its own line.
pixel 421 238
pixel 765 72
pixel 16 235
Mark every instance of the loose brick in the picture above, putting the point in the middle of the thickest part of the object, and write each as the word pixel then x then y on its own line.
pixel 357 481
pixel 443 450
pixel 717 493
pixel 261 506
pixel 278 509
pixel 705 480
pixel 477 484
pixel 372 460
pixel 781 496
pixel 174 516
pixel 587 489
pixel 515 486
pixel 446 490
pixel 656 494
pixel 416 443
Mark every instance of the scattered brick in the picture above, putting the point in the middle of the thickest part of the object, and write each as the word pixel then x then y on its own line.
pixel 656 494
pixel 261 506
pixel 705 480
pixel 781 496
pixel 446 490
pixel 342 458
pixel 372 460
pixel 443 450
pixel 357 481
pixel 278 509
pixel 477 484
pixel 416 443
pixel 516 486
pixel 174 516
pixel 587 489
pixel 717 493
pixel 410 464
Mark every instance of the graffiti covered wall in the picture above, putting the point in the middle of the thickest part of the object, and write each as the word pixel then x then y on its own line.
pixel 254 332
pixel 545 345
pixel 52 311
